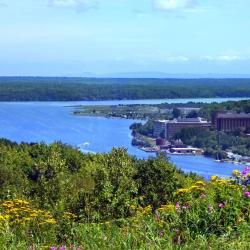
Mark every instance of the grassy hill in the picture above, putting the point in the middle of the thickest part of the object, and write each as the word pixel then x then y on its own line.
pixel 55 197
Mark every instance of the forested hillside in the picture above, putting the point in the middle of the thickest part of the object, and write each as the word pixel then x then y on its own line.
pixel 70 89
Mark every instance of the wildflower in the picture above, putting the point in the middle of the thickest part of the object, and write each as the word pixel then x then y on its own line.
pixel 69 216
pixel 178 207
pixel 221 205
pixel 53 248
pixel 199 189
pixel 50 221
pixel 62 248
pixel 167 208
pixel 175 239
pixel 210 208
pixel 236 172
pixel 161 234
pixel 214 178
pixel 147 210
pixel 200 183
pixel 182 191
pixel 245 170
pixel 247 194
pixel 222 182
pixel 202 196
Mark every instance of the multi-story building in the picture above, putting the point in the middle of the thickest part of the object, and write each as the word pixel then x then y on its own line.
pixel 230 122
pixel 176 125
pixel 159 127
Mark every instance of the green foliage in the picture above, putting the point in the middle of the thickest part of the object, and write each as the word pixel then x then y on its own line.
pixel 215 143
pixel 152 172
pixel 176 113
pixel 69 89
pixel 209 110
pixel 53 195
pixel 192 114
pixel 143 129
pixel 95 187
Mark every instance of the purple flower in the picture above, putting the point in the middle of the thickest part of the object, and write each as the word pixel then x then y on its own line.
pixel 222 205
pixel 177 205
pixel 62 248
pixel 247 194
pixel 202 196
pixel 245 170
pixel 161 234
pixel 53 248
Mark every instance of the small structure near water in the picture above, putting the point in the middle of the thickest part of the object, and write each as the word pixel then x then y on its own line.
pixel 186 151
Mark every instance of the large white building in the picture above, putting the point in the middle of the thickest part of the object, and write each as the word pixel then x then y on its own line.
pixel 176 125
pixel 171 127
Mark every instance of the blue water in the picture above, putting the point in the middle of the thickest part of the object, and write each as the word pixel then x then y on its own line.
pixel 53 121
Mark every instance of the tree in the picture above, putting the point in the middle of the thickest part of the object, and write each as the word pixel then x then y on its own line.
pixel 176 113
pixel 192 114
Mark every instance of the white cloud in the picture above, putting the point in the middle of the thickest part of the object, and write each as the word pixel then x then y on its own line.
pixel 174 5
pixel 79 5
pixel 225 58
pixel 230 58
pixel 165 58
pixel 176 59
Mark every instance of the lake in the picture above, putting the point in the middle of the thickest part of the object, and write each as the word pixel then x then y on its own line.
pixel 53 121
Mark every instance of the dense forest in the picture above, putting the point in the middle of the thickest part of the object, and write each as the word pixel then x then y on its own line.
pixel 70 89
pixel 55 197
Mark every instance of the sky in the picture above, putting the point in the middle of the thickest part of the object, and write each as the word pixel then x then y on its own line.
pixel 121 37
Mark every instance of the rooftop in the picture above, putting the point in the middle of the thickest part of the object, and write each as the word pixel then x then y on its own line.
pixel 162 121
pixel 233 115
pixel 189 120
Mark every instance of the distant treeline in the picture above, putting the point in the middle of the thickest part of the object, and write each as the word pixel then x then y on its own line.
pixel 75 89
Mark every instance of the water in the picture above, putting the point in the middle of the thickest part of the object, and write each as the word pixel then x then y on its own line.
pixel 53 121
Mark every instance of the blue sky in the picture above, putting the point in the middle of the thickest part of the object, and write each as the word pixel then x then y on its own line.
pixel 79 37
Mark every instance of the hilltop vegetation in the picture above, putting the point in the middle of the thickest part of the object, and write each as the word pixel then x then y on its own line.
pixel 54 196
pixel 75 89
pixel 208 110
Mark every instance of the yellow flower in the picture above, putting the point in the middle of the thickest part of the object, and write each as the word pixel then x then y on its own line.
pixel 236 172
pixel 27 219
pixel 50 221
pixel 167 208
pixel 182 191
pixel 33 215
pixel 214 178
pixel 69 216
pixel 222 182
pixel 200 183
